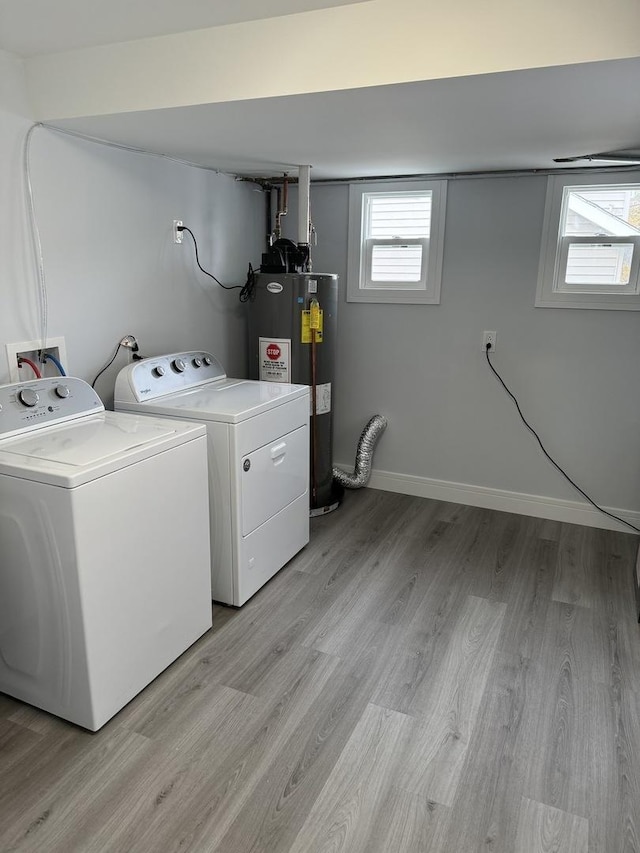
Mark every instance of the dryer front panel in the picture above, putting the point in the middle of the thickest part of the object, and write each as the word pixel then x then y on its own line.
pixel 273 476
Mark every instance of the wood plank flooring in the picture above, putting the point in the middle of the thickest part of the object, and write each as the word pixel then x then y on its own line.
pixel 423 678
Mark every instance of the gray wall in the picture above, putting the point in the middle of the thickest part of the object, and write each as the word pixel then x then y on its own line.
pixel 105 217
pixel 574 371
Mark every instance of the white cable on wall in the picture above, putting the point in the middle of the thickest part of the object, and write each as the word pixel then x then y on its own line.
pixel 131 148
pixel 35 238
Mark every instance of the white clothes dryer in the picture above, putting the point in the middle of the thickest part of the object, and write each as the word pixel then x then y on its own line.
pixel 258 443
pixel 104 543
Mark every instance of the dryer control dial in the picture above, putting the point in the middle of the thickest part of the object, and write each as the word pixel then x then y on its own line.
pixel 28 397
pixel 197 362
pixel 178 365
pixel 62 391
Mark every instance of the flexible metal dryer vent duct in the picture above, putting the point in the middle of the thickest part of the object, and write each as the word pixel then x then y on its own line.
pixel 364 455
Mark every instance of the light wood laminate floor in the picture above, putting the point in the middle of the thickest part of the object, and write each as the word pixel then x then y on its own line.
pixel 423 678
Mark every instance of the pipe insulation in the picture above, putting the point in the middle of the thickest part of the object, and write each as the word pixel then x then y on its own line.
pixel 304 215
pixel 364 455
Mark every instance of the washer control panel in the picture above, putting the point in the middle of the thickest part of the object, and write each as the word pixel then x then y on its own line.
pixel 30 405
pixel 166 374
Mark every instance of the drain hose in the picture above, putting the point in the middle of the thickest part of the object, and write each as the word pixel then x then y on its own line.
pixel 364 455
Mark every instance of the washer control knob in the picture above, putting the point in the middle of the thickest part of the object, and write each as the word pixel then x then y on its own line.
pixel 62 391
pixel 28 397
pixel 178 365
pixel 197 362
pixel 158 371
pixel 207 360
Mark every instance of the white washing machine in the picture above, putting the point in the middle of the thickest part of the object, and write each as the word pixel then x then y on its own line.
pixel 258 442
pixel 104 544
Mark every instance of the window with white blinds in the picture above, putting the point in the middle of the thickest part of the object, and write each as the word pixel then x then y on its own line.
pixel 395 242
pixel 397 226
pixel 590 255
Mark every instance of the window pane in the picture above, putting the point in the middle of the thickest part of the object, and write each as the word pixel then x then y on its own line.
pixel 612 210
pixel 396 263
pixel 403 215
pixel 591 263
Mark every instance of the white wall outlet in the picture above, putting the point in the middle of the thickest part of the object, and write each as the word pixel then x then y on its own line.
pixel 177 235
pixel 489 338
pixel 33 350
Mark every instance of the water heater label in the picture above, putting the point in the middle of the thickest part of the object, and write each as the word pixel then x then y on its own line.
pixel 323 399
pixel 305 328
pixel 313 285
pixel 275 359
pixel 275 287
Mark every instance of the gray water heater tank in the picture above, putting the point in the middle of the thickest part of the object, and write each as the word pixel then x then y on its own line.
pixel 281 349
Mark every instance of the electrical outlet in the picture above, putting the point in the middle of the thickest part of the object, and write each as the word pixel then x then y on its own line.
pixel 130 343
pixel 177 235
pixel 34 351
pixel 489 338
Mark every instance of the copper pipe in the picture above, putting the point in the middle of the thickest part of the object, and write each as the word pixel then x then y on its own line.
pixel 276 230
pixel 283 205
pixel 314 418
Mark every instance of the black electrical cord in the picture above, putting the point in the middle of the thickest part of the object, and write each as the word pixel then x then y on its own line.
pixel 248 292
pixel 131 344
pixel 211 275
pixel 107 366
pixel 542 447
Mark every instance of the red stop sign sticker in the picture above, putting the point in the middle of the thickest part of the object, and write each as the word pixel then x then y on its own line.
pixel 273 351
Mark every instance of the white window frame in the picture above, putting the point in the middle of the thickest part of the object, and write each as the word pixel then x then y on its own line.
pixel 425 291
pixel 552 290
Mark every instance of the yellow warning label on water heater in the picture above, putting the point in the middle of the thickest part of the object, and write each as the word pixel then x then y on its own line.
pixel 305 328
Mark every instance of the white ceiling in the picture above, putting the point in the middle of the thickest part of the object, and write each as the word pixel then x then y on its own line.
pixel 511 120
pixel 32 27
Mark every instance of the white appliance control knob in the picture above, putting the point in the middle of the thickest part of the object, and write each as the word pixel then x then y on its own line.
pixel 28 397
pixel 62 391
pixel 207 360
pixel 178 365
pixel 197 362
pixel 158 371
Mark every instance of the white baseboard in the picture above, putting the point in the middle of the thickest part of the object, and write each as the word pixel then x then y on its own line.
pixel 574 512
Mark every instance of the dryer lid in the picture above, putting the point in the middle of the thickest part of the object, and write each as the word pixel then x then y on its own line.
pixel 77 452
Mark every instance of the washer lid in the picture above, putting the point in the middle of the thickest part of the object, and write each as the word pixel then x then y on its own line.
pixel 76 452
pixel 226 400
